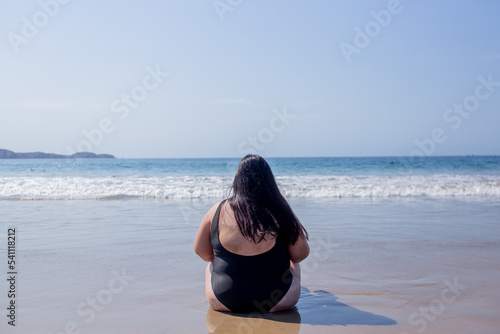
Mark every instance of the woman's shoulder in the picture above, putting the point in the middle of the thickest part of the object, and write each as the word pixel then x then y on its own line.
pixel 211 212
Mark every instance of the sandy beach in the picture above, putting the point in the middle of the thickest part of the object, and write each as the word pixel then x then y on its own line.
pixel 376 266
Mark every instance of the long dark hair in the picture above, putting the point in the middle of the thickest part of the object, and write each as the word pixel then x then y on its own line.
pixel 258 205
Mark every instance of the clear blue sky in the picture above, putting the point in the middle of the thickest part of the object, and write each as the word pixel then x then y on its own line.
pixel 232 71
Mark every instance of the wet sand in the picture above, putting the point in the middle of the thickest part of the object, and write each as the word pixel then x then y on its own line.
pixel 377 266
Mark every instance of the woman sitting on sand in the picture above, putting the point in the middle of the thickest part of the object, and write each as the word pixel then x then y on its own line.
pixel 254 243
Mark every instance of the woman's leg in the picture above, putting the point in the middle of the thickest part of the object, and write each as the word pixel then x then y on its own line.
pixel 212 300
pixel 292 296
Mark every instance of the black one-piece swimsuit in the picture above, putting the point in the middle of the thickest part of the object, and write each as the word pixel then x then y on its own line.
pixel 249 283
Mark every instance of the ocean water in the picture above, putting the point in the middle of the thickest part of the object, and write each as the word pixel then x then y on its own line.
pixel 74 179
pixel 387 235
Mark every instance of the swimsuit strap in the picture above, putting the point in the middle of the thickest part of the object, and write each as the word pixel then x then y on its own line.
pixel 214 228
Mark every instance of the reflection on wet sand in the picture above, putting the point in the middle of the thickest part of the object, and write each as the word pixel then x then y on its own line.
pixel 314 308
pixel 277 322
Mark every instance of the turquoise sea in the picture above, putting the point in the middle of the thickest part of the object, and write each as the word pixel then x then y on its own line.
pixel 477 176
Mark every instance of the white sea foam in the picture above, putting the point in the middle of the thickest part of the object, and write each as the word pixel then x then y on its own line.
pixel 310 186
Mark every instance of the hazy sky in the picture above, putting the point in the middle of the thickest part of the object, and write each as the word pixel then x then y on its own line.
pixel 204 78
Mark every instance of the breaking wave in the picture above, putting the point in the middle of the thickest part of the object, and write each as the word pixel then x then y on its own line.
pixel 296 186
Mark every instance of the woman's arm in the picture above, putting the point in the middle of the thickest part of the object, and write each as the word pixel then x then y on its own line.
pixel 298 251
pixel 202 245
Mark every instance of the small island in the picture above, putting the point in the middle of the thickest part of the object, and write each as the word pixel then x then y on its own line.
pixel 6 154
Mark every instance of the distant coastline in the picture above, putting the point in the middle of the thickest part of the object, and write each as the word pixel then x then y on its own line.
pixel 6 154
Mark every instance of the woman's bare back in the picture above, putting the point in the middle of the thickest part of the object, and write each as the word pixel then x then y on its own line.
pixel 232 239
